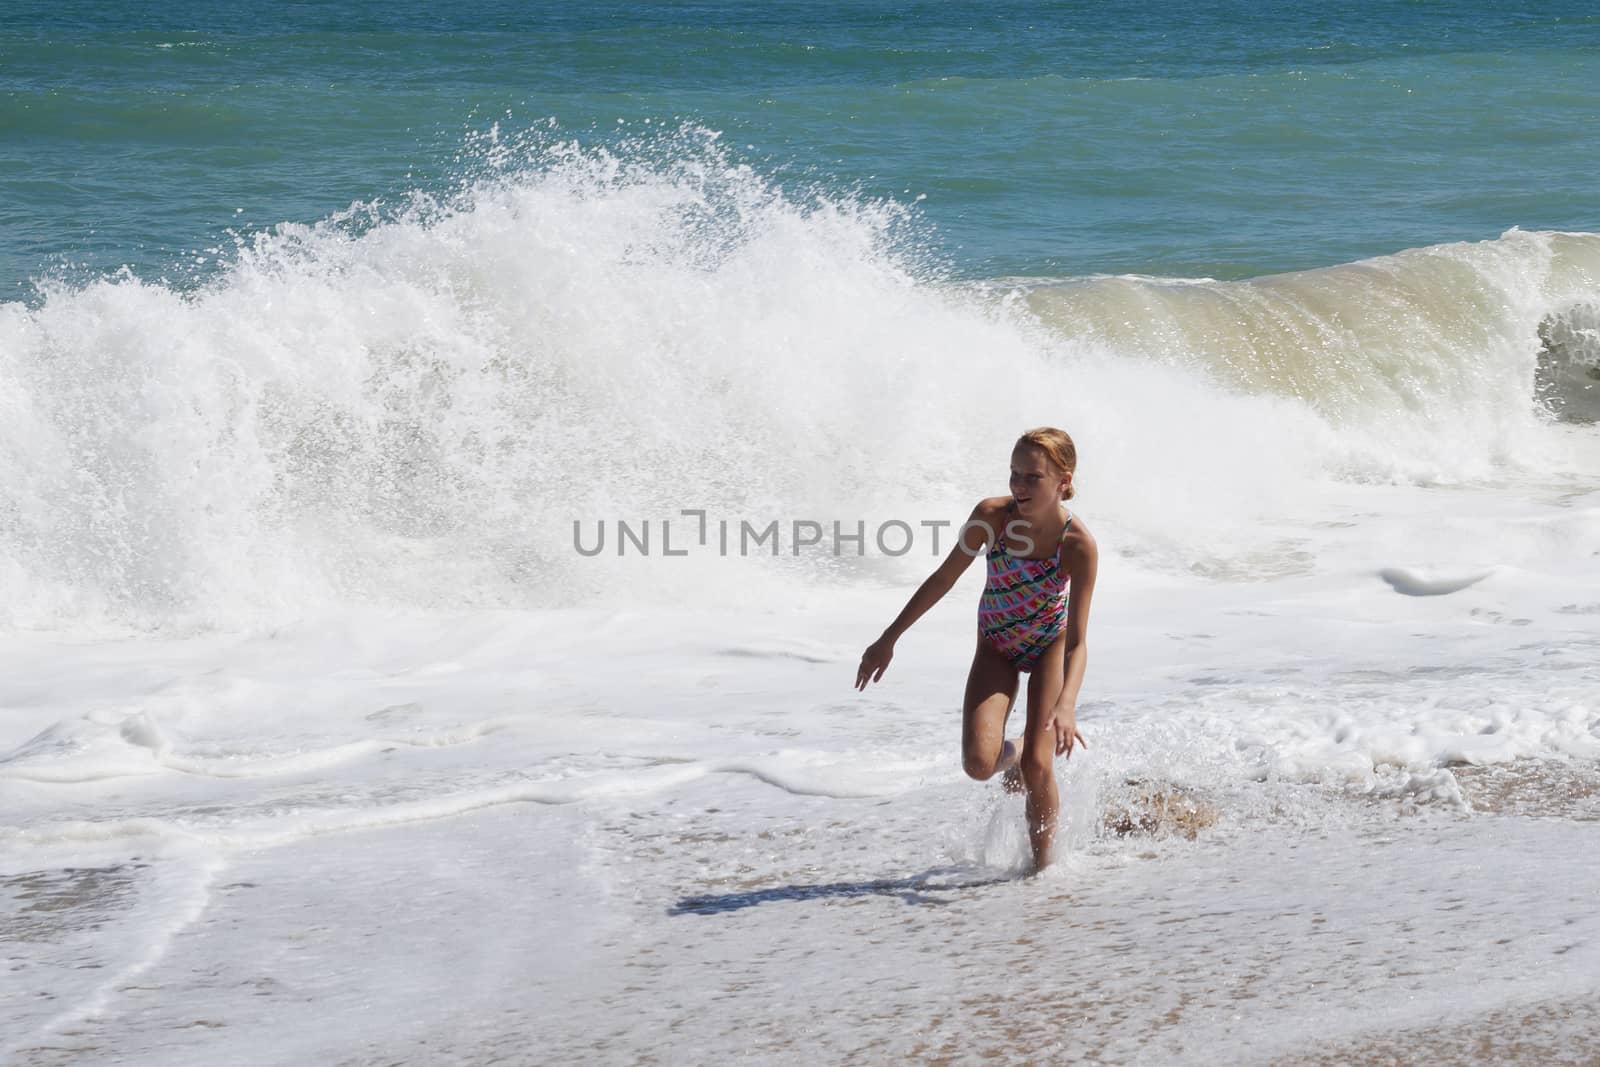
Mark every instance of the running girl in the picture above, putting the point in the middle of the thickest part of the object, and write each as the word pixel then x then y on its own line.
pixel 1028 622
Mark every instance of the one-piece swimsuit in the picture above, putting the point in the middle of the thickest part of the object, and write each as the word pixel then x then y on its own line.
pixel 1024 603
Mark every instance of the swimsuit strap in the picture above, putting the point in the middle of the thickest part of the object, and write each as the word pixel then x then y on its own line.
pixel 1000 538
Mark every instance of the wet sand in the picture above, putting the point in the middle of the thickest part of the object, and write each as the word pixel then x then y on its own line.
pixel 1555 1032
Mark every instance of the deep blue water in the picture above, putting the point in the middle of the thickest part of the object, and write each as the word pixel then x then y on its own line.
pixel 1224 139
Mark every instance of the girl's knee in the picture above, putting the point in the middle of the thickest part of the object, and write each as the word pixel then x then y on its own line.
pixel 978 767
pixel 1038 764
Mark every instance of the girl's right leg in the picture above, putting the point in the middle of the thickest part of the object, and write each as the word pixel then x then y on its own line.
pixel 991 690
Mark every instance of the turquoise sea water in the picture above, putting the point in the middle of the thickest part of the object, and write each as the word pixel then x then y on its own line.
pixel 1222 139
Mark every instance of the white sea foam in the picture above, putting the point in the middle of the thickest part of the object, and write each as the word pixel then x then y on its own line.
pixel 415 407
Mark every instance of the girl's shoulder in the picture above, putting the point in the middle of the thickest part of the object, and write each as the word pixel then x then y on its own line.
pixel 994 512
pixel 992 506
pixel 988 519
pixel 1077 541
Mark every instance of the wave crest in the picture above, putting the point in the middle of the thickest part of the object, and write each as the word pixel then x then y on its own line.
pixel 413 406
pixel 1475 333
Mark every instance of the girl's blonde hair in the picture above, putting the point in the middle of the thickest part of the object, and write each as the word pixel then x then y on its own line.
pixel 1057 447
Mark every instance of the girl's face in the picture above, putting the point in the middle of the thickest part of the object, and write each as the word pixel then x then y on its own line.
pixel 1037 485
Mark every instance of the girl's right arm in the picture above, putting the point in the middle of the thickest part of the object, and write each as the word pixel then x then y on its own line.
pixel 976 534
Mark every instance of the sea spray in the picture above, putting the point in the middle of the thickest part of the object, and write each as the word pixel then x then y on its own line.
pixel 413 406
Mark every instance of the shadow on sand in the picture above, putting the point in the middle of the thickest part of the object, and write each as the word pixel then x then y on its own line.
pixel 925 888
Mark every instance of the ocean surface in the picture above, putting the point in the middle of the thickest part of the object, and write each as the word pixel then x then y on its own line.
pixel 452 457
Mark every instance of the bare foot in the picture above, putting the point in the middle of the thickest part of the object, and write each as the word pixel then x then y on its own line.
pixel 1010 775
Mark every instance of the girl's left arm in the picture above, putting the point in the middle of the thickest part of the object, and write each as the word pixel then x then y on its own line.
pixel 1081 558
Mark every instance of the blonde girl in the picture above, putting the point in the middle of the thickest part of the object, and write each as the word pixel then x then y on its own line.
pixel 1033 619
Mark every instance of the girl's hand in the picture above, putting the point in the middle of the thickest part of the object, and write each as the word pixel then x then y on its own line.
pixel 1065 724
pixel 874 661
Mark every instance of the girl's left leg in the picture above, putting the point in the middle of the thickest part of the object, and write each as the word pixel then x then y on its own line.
pixel 1038 763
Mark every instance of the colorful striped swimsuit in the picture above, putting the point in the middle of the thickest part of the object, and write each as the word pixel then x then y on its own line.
pixel 1024 603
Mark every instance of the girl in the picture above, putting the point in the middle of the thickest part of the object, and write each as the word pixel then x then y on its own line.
pixel 1027 622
